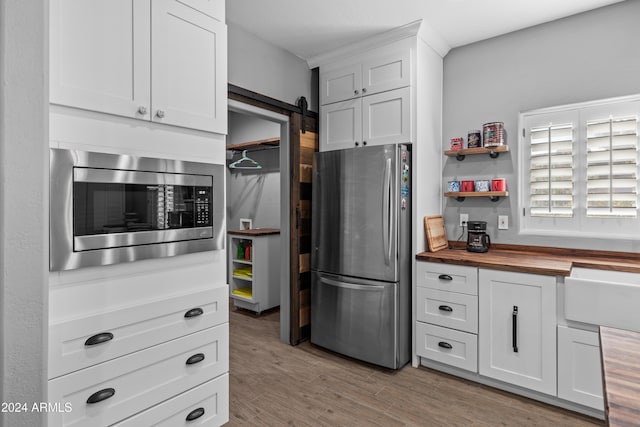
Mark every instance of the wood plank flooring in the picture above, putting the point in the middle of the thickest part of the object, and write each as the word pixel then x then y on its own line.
pixel 273 384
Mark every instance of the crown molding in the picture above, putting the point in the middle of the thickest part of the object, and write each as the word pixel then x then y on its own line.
pixel 413 29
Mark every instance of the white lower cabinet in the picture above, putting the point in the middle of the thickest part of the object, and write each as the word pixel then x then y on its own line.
pixel 447 314
pixel 444 345
pixel 205 405
pixel 114 390
pixel 79 343
pixel 579 367
pixel 517 329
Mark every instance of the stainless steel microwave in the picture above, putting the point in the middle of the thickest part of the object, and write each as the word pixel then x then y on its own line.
pixel 107 208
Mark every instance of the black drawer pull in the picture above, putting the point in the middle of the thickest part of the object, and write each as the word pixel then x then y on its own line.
pixel 195 414
pixel 99 338
pixel 101 395
pixel 445 277
pixel 445 308
pixel 196 358
pixel 445 345
pixel 194 312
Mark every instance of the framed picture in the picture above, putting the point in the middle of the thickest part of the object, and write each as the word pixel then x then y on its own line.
pixel 245 224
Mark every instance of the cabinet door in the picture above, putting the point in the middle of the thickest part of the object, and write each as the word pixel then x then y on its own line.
pixel 341 125
pixel 341 84
pixel 386 117
pixel 100 55
pixel 579 367
pixel 386 72
pixel 517 330
pixel 189 69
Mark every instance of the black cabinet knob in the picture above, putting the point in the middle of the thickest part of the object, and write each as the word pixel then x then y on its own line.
pixel 196 358
pixel 194 312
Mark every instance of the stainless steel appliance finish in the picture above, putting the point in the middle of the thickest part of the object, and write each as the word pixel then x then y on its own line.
pixel 361 244
pixel 110 185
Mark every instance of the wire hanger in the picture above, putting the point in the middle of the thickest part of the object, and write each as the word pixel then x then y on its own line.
pixel 245 163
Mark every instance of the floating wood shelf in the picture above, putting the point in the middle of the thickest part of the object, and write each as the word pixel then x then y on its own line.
pixel 272 142
pixel 493 195
pixel 493 152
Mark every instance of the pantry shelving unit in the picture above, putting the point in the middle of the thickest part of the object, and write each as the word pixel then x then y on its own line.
pixel 254 278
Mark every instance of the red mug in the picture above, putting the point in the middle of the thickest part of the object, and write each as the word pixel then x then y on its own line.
pixel 466 186
pixel 498 184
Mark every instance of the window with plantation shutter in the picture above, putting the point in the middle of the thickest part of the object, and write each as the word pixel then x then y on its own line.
pixel 612 167
pixel 579 169
pixel 551 171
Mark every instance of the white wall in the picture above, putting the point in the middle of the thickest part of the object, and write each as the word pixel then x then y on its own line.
pixel 259 66
pixel 24 177
pixel 254 194
pixel 589 56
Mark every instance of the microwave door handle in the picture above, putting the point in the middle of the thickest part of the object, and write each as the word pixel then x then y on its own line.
pixel 386 212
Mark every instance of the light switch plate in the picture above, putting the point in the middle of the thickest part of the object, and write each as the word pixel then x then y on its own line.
pixel 503 222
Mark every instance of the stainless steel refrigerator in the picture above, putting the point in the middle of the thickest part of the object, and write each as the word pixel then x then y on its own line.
pixel 361 253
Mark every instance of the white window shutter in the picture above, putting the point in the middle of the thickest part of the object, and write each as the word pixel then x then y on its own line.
pixel 551 178
pixel 612 167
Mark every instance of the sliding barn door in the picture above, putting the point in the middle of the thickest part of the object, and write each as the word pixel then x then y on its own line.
pixel 303 145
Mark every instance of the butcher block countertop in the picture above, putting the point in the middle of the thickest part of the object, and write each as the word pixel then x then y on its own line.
pixel 536 260
pixel 255 232
pixel 621 371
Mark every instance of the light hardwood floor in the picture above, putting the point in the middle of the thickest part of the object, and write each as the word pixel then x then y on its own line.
pixel 274 384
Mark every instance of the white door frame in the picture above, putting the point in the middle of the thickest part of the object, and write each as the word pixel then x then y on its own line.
pixel 285 197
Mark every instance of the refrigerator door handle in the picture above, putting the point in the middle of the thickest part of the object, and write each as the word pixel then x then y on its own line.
pixel 340 284
pixel 386 212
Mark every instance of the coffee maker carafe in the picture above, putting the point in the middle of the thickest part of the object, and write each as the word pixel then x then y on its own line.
pixel 477 238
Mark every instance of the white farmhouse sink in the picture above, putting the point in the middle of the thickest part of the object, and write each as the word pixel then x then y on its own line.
pixel 602 297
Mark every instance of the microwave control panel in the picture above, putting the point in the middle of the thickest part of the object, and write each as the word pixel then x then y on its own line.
pixel 203 198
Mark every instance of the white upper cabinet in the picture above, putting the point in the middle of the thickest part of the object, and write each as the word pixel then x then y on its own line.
pixel 368 102
pixel 189 69
pixel 100 56
pixel 160 60
pixel 377 72
pixel 386 117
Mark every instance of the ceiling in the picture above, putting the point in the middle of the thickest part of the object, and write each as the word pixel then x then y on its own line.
pixel 310 27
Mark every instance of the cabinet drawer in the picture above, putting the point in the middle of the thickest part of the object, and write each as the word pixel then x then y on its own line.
pixel 210 399
pixel 448 277
pixel 132 329
pixel 448 309
pixel 140 380
pixel 455 348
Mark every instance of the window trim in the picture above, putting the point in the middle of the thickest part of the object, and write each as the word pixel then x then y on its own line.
pixel 524 228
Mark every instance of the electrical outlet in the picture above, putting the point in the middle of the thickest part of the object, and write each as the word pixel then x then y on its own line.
pixel 503 222
pixel 463 220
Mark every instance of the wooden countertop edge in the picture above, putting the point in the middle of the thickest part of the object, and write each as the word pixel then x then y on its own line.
pixel 528 261
pixel 254 232
pixel 621 374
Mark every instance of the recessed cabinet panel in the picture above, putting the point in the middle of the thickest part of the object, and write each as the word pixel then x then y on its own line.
pixel 449 309
pixel 386 117
pixel 100 57
pixel 579 367
pixel 342 84
pixel 387 72
pixel 341 125
pixel 445 345
pixel 189 70
pixel 517 329
pixel 211 8
pixel 447 277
